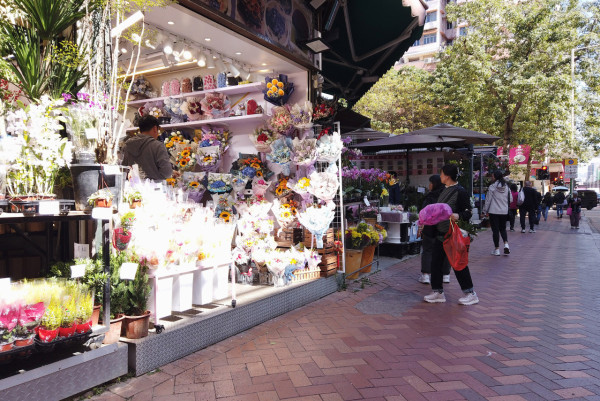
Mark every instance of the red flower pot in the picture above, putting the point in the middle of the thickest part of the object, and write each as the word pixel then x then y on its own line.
pixel 83 327
pixel 6 347
pixel 66 332
pixel 47 336
pixel 23 342
pixel 103 203
pixel 121 239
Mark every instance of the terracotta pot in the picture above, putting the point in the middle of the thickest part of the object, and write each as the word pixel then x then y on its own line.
pixel 66 332
pixel 134 204
pixel 96 315
pixel 114 332
pixel 83 327
pixel 47 336
pixel 23 342
pixel 6 347
pixel 353 258
pixel 136 326
pixel 367 257
pixel 103 203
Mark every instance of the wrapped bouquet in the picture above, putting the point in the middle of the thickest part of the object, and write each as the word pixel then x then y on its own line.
pixel 282 188
pixel 281 121
pixel 250 166
pixel 173 109
pixel 281 154
pixel 260 186
pixel 329 148
pixel 317 220
pixel 192 108
pixel 262 138
pixel 193 185
pixel 219 183
pixel 304 152
pixel 278 90
pixel 302 115
pixel 285 216
pixel 216 105
pixel 324 185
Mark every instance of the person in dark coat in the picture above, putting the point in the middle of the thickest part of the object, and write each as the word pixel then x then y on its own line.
pixel 574 203
pixel 547 203
pixel 559 201
pixel 529 207
pixel 428 234
pixel 395 191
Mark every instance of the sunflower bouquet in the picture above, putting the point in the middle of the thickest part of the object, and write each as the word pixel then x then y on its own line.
pixel 186 159
pixel 262 138
pixel 172 140
pixel 209 158
pixel 301 187
pixel 193 185
pixel 281 154
pixel 278 90
pixel 219 183
pixel 224 210
pixel 281 122
pixel 285 214
pixel 250 166
pixel 304 151
pixel 282 188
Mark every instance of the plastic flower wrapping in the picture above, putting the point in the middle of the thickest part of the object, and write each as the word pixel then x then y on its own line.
pixel 212 136
pixel 329 148
pixel 209 158
pixel 302 115
pixel 185 159
pixel 281 154
pixel 324 185
pixel 281 121
pixel 250 166
pixel 256 207
pixel 262 138
pixel 282 188
pixel 301 187
pixel 285 214
pixel 219 183
pixel 278 90
pixel 224 207
pixel 141 88
pixel 215 105
pixel 317 220
pixel 192 108
pixel 173 109
pixel 260 186
pixel 434 213
pixel 304 151
pixel 324 111
pixel 193 185
pixel 313 258
pixel 238 183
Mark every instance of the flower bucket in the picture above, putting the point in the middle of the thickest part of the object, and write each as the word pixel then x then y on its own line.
pixel 114 332
pixel 83 327
pixel 134 327
pixel 23 342
pixel 67 332
pixel 367 257
pixel 47 336
pixel 121 239
pixel 96 315
pixel 353 259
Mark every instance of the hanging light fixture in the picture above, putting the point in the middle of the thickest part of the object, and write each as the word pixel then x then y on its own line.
pixel 220 65
pixel 210 61
pixel 201 60
pixel 234 70
pixel 168 47
pixel 187 55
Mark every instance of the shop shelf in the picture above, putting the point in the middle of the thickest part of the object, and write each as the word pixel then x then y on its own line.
pixel 226 120
pixel 228 90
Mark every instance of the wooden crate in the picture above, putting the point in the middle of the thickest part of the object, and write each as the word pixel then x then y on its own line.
pixel 329 261
pixel 328 273
pixel 303 275
pixel 328 239
pixel 288 237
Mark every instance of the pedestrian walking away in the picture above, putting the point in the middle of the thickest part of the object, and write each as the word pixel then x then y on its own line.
pixel 559 200
pixel 496 206
pixel 538 208
pixel 574 203
pixel 428 234
pixel 547 203
pixel 512 207
pixel 457 198
pixel 528 207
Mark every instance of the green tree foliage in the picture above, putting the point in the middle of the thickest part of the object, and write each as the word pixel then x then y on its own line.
pixel 401 101
pixel 510 75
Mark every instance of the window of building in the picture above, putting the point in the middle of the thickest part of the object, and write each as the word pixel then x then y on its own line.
pixel 463 31
pixel 449 25
pixel 430 17
pixel 417 43
pixel 431 38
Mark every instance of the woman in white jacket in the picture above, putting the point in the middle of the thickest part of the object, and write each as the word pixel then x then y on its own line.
pixel 496 208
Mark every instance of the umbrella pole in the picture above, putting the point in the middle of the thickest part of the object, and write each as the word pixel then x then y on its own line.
pixel 407 182
pixel 471 156
pixel 480 181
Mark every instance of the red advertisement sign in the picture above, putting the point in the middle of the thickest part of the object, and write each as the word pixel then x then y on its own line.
pixel 519 154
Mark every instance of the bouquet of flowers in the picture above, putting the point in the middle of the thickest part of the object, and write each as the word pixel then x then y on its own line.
pixel 281 121
pixel 192 108
pixel 277 262
pixel 304 151
pixel 224 209
pixel 256 208
pixel 329 148
pixel 215 105
pixel 211 136
pixel 260 186
pixel 324 185
pixel 278 90
pixel 173 109
pixel 262 138
pixel 313 258
pixel 250 166
pixel 302 115
pixel 141 88
pixel 317 220
pixel 301 187
pixel 238 182
pixel 282 188
pixel 324 111
pixel 209 158
pixel 185 158
pixel 281 154
pixel 192 184
pixel 360 236
pixel 219 183
pixel 283 214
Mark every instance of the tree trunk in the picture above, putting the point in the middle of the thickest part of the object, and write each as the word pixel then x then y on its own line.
pixel 508 132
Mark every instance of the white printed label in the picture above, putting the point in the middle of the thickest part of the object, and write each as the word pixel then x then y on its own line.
pixel 77 271
pixel 81 251
pixel 366 201
pixel 128 271
pixel 91 133
pixel 102 213
pixel 111 169
pixel 49 207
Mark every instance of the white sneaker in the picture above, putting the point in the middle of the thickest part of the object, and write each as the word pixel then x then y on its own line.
pixel 496 252
pixel 425 278
pixel 446 278
pixel 435 297
pixel 506 249
pixel 532 230
pixel 468 299
pixel 523 231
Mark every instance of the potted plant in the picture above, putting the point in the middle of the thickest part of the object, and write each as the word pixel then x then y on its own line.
pixel 30 315
pixel 356 239
pixel 137 316
pixel 94 279
pixel 83 313
pixel 122 235
pixel 67 323
pixel 134 198
pixel 51 322
pixel 101 198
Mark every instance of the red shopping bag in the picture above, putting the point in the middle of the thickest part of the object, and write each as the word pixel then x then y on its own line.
pixel 456 247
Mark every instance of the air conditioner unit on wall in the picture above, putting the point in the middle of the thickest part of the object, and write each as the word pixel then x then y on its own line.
pixel 428 60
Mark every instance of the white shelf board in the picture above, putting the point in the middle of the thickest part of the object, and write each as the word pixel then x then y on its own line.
pixel 226 120
pixel 228 90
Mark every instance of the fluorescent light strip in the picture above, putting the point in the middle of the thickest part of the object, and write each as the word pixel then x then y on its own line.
pixel 126 23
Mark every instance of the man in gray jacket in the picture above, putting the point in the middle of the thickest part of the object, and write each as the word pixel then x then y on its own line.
pixel 147 152
pixel 496 208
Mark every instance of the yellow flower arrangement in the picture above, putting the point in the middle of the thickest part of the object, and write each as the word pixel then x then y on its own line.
pixel 171 181
pixel 255 165
pixel 201 256
pixel 304 183
pixel 185 152
pixel 225 216
pixel 286 214
pixel 169 144
pixel 183 162
pixel 194 184
pixel 208 159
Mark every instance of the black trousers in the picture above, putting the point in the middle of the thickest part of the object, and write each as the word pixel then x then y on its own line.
pixel 427 244
pixel 498 225
pixel 512 214
pixel 532 219
pixel 437 265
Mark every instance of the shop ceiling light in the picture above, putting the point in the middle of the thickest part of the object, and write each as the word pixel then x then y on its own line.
pixel 201 60
pixel 170 23
pixel 220 65
pixel 126 23
pixel 168 48
pixel 234 70
pixel 207 39
pixel 150 44
pixel 187 55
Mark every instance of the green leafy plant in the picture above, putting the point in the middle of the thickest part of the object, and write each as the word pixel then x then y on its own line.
pixel 52 318
pixel 132 196
pixel 127 220
pixel 100 194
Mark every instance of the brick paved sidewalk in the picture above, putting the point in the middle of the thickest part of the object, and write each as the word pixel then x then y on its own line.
pixel 533 336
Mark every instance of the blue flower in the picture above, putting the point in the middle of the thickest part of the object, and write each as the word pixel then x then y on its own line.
pixel 249 171
pixel 205 143
pixel 218 184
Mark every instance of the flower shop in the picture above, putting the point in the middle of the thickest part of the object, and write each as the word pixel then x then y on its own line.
pixel 249 226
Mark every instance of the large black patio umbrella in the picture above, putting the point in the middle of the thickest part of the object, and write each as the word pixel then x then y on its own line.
pixel 406 141
pixel 449 130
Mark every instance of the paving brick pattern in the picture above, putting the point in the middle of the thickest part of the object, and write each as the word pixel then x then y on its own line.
pixel 533 336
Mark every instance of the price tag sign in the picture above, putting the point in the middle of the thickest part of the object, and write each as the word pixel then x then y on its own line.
pixel 366 201
pixel 4 285
pixel 128 271
pixel 49 207
pixel 91 133
pixel 102 213
pixel 81 251
pixel 378 218
pixel 77 271
pixel 111 169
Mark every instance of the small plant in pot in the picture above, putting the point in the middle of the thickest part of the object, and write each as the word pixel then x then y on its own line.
pixel 137 316
pixel 83 314
pixel 51 321
pixel 122 235
pixel 94 279
pixel 134 198
pixel 101 198
pixel 67 325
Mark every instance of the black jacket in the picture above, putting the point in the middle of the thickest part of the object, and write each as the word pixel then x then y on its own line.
pixel 574 204
pixel 559 198
pixel 548 201
pixel 395 194
pixel 458 199
pixel 531 199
